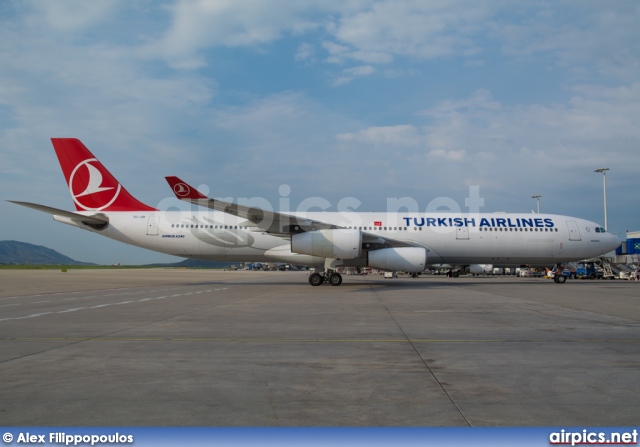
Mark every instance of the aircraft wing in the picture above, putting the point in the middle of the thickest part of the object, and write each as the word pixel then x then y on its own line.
pixel 276 223
pixel 95 220
pixel 268 221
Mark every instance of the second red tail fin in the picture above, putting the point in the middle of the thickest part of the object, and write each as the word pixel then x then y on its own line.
pixel 91 185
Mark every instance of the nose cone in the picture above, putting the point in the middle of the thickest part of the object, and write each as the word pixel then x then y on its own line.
pixel 611 242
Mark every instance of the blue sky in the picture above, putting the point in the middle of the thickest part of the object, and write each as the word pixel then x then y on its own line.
pixel 368 99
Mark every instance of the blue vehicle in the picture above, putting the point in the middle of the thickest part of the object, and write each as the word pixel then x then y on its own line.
pixel 588 270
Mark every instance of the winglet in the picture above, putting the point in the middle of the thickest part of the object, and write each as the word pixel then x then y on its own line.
pixel 182 190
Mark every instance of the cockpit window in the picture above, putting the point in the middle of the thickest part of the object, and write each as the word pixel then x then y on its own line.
pixel 600 230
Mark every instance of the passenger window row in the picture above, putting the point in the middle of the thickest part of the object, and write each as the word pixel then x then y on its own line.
pixel 221 227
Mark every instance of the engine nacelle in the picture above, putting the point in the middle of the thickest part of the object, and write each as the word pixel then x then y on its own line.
pixel 337 244
pixel 480 269
pixel 403 259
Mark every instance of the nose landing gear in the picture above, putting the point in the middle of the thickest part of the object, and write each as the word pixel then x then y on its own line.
pixel 333 278
pixel 558 277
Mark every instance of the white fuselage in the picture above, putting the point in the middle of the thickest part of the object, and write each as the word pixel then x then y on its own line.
pixel 504 239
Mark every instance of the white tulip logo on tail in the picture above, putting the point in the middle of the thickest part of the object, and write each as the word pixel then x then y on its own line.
pixel 95 185
pixel 181 189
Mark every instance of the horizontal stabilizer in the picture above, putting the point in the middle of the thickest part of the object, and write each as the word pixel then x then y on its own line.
pixel 94 220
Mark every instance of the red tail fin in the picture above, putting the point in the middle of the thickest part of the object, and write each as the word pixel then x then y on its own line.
pixel 92 187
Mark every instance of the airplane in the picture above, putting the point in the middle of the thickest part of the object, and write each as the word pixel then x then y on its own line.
pixel 227 231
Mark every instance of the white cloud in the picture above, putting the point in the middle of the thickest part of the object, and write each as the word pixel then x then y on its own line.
pixel 579 36
pixel 305 52
pixel 349 74
pixel 449 155
pixel 402 135
pixel 412 28
pixel 201 24
pixel 500 144
pixel 583 36
pixel 71 15
pixel 400 73
pixel 54 85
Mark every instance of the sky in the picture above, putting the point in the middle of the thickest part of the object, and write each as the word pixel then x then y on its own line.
pixel 375 100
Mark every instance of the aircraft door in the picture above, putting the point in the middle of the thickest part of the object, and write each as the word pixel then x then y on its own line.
pixel 574 231
pixel 462 232
pixel 152 225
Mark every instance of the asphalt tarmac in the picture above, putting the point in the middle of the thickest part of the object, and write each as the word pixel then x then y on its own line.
pixel 167 347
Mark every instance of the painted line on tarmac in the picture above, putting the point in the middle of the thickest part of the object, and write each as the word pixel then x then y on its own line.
pixel 99 305
pixel 307 341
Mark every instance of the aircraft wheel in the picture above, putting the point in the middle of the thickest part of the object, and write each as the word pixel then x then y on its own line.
pixel 315 279
pixel 335 279
pixel 560 279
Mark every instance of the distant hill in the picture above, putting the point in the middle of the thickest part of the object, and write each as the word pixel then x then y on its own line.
pixel 14 252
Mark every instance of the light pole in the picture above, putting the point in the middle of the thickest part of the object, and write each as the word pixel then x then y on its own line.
pixel 604 176
pixel 537 197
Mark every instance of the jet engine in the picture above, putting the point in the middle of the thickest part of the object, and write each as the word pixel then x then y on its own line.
pixel 337 244
pixel 403 259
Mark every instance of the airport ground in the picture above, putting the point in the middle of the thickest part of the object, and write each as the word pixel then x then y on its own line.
pixel 163 347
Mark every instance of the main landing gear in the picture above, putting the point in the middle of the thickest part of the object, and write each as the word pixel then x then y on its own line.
pixel 333 278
